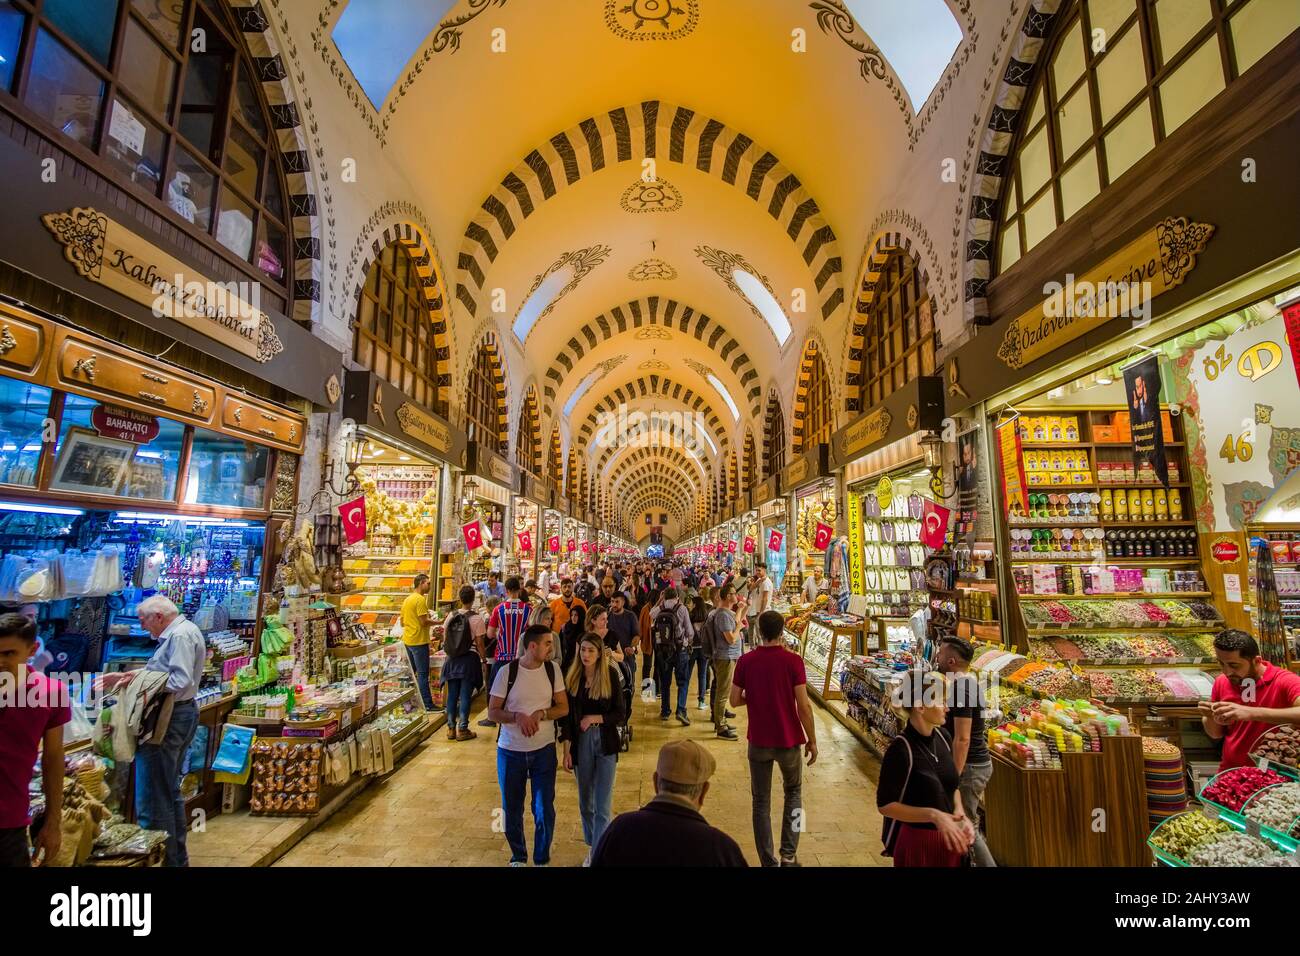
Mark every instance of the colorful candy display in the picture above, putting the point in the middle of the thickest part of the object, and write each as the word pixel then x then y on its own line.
pixel 1233 788
pixel 1281 745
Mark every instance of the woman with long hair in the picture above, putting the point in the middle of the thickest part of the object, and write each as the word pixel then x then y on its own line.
pixel 700 610
pixel 570 633
pixel 918 795
pixel 598 624
pixel 591 741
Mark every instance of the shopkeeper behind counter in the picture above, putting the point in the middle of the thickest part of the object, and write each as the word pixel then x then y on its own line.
pixel 1249 697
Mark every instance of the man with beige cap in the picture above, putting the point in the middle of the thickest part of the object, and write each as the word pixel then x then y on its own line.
pixel 670 830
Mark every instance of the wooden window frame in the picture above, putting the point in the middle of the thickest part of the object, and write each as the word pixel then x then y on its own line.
pixel 482 414
pixel 383 327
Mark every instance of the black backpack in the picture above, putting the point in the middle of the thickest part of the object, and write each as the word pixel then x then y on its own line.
pixel 455 635
pixel 586 591
pixel 665 630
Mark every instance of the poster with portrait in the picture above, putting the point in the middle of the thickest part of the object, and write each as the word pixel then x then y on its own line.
pixel 968 483
pixel 91 464
pixel 1142 393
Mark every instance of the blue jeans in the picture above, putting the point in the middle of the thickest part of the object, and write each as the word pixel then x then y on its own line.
pixel 595 774
pixel 680 667
pixel 158 801
pixel 418 655
pixel 537 769
pixel 460 691
pixel 703 670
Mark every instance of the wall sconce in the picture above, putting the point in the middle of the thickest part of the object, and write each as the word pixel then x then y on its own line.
pixel 932 449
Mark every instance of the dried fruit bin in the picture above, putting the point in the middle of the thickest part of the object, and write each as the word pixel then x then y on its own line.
pixel 1279 748
pixel 1237 819
pixel 1158 835
pixel 1286 836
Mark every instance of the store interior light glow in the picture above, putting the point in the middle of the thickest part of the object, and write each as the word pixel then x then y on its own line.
pixel 40 509
pixel 130 516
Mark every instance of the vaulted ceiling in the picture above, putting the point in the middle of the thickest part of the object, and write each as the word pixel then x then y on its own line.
pixel 643 151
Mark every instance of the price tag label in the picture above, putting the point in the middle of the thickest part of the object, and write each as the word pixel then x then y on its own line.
pixel 1261 763
pixel 1252 828
pixel 1210 810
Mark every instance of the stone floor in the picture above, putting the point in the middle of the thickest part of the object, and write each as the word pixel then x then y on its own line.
pixel 438 808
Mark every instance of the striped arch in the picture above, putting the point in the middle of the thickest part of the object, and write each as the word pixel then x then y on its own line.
pixel 421 252
pixel 660 472
pixel 652 500
pixel 690 480
pixel 555 458
pixel 652 310
pixel 774 432
pixel 995 153
pixel 488 343
pixel 655 485
pixel 528 435
pixel 733 477
pixel 650 129
pixel 683 461
pixel 290 135
pixel 646 386
pixel 879 251
pixel 812 354
pixel 750 470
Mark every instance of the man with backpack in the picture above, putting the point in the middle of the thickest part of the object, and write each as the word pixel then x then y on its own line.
pixel 462 641
pixel 670 624
pixel 526 700
pixel 505 628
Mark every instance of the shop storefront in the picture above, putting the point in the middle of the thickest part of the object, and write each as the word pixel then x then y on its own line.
pixel 812 503
pixel 483 514
pixel 402 458
pixel 888 493
pixel 554 555
pixel 529 540
pixel 771 509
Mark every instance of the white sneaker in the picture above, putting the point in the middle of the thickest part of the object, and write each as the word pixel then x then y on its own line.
pixel 517 863
pixel 702 705
pixel 587 861
pixel 646 684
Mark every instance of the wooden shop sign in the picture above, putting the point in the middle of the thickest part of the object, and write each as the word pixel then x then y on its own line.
pixel 1157 261
pixel 866 431
pixel 419 424
pixel 108 253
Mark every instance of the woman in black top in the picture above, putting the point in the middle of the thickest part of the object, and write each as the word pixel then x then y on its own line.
pixel 925 824
pixel 591 742
pixel 700 610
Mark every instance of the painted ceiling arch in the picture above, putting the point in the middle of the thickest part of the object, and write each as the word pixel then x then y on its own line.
pixel 656 130
pixel 692 483
pixel 648 313
pixel 654 387
pixel 613 459
pixel 681 487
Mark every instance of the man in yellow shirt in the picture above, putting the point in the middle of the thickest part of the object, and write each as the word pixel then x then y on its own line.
pixel 415 634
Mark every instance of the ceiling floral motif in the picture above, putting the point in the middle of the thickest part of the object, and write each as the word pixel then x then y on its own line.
pixel 652 269
pixel 651 195
pixel 652 19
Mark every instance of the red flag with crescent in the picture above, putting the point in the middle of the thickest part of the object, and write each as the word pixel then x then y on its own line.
pixel 353 514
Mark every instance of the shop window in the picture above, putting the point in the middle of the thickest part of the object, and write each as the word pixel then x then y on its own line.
pixel 23 410
pixel 226 471
pixel 818 412
pixel 899 335
pixel 94 458
pixel 1121 76
pixel 483 407
pixel 773 437
pixel 394 333
pixel 186 127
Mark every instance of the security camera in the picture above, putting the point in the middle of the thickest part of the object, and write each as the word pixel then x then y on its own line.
pixel 1175 409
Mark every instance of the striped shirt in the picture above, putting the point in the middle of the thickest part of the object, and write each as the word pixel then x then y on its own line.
pixel 509 619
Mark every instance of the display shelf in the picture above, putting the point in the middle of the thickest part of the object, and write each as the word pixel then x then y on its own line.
pixel 1094 522
pixel 1118 595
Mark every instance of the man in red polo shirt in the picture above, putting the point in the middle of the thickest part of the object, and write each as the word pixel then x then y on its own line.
pixel 771 682
pixel 1249 697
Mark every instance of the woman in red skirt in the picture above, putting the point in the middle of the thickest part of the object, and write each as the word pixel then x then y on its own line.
pixel 925 824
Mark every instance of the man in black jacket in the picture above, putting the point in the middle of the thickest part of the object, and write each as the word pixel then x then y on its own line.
pixel 670 830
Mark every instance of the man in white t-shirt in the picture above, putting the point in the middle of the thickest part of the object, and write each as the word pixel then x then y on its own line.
pixel 526 699
pixel 812 586
pixel 760 599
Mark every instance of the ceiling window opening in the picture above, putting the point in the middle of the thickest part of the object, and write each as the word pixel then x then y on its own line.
pixel 543 297
pixel 581 390
pixel 763 300
pixel 377 38
pixel 726 396
pixel 918 38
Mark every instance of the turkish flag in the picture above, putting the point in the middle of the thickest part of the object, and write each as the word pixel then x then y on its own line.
pixel 749 545
pixel 822 540
pixel 473 533
pixel 586 547
pixel 731 546
pixel 775 540
pixel 525 540
pixel 353 514
pixel 573 545
pixel 553 544
pixel 934 525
